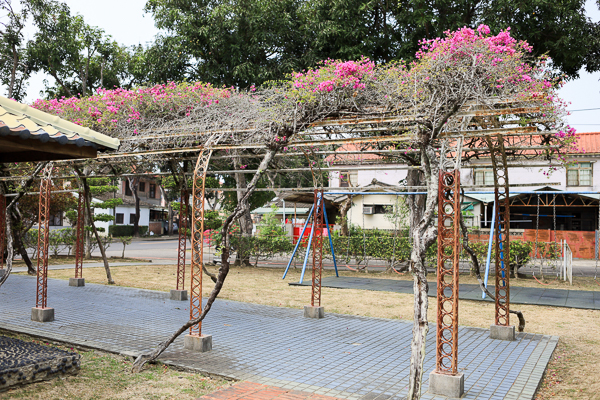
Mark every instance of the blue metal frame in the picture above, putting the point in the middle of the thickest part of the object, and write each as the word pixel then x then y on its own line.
pixel 489 252
pixel 299 240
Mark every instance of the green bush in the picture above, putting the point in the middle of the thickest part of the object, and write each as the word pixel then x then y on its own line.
pixel 125 230
pixel 363 244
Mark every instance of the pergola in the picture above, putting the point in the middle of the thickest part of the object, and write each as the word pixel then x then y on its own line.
pixel 398 116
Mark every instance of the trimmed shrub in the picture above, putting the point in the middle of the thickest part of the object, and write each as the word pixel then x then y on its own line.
pixel 125 230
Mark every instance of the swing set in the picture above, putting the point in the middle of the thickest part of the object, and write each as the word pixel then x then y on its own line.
pixel 539 258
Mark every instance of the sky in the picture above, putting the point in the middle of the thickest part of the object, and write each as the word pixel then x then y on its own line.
pixel 131 26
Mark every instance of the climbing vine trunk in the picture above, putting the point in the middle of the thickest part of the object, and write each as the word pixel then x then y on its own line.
pixel 245 219
pixel 241 208
pixel 133 186
pixel 88 196
pixel 424 233
pixel 10 209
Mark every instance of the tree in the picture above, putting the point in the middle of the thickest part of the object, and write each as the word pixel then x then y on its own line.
pixel 233 42
pixel 14 65
pixel 243 42
pixel 79 57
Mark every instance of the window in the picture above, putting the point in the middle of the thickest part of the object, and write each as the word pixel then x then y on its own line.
pixel 128 189
pixel 152 193
pixel 484 177
pixel 119 218
pixel 580 174
pixel 348 178
pixel 131 219
pixel 142 186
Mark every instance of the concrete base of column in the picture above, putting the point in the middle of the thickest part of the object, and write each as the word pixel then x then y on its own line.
pixel 314 312
pixel 42 314
pixel 201 344
pixel 178 295
pixel 502 332
pixel 447 385
pixel 77 282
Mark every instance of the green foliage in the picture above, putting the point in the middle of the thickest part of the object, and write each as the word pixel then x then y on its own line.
pixel 81 58
pixel 125 230
pixel 125 240
pixel 520 252
pixel 270 240
pixel 364 244
pixel 212 221
pixel 244 42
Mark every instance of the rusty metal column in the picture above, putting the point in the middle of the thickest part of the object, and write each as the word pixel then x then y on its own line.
pixel 501 234
pixel 41 312
pixel 183 216
pixel 317 268
pixel 79 244
pixel 447 274
pixel 2 230
pixel 197 240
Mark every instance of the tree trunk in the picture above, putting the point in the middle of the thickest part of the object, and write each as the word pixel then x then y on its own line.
pixel 87 235
pixel 9 210
pixel 245 219
pixel 18 244
pixel 346 205
pixel 223 270
pixel 424 233
pixel 88 207
pixel 170 231
pixel 133 185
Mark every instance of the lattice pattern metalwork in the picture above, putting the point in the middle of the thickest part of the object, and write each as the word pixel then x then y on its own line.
pixel 183 217
pixel 447 277
pixel 317 247
pixel 502 231
pixel 198 239
pixel 42 245
pixel 79 245
pixel 2 228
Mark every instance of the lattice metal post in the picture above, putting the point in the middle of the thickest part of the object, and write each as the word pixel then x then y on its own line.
pixel 2 229
pixel 317 247
pixel 42 245
pixel 183 217
pixel 502 231
pixel 447 274
pixel 79 244
pixel 198 239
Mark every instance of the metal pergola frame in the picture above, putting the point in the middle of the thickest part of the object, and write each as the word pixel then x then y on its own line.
pixel 369 131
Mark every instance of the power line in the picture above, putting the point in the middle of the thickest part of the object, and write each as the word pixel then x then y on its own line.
pixel 585 109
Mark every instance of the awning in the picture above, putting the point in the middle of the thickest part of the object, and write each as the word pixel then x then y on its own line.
pixel 27 134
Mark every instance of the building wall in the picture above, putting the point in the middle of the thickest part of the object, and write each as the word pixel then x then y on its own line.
pixel 516 176
pixel 126 211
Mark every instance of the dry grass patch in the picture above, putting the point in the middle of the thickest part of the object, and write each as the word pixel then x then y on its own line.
pixel 572 371
pixel 107 376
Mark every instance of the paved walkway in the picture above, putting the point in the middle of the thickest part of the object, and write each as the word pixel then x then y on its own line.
pixel 256 391
pixel 585 299
pixel 340 356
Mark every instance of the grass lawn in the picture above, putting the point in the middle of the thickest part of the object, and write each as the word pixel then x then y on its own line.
pixel 572 372
pixel 106 376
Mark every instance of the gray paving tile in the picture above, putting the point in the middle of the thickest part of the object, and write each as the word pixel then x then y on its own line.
pixel 277 345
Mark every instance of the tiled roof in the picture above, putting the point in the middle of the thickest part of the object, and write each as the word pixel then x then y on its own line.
pixel 20 120
pixel 590 142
